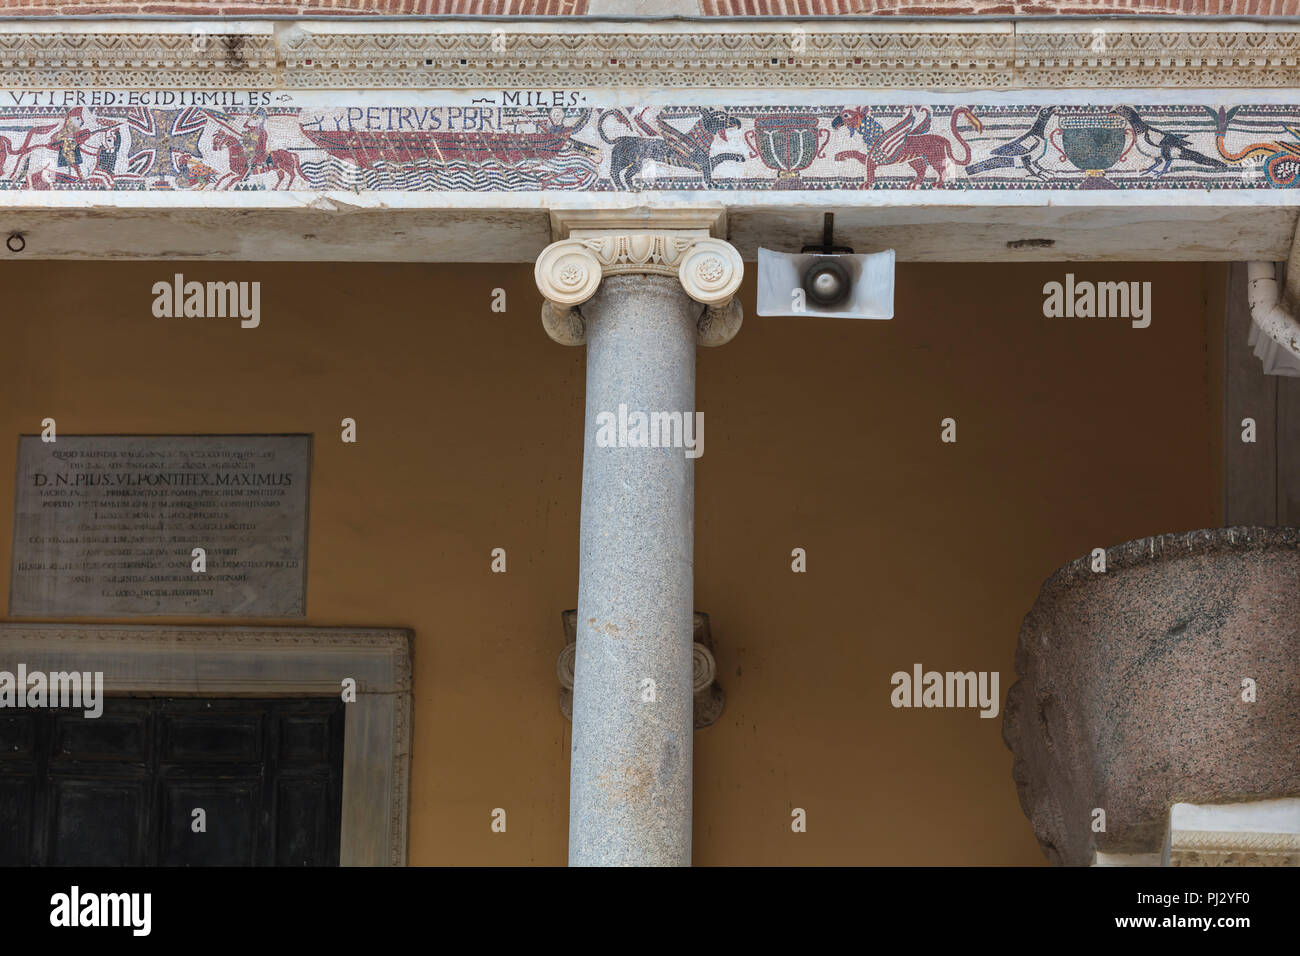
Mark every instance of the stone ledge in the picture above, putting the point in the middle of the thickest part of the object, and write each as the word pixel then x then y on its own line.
pixel 1244 834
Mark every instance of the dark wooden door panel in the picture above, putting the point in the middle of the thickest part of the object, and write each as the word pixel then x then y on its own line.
pixel 232 811
pixel 17 810
pixel 212 737
pixel 124 788
pixel 17 736
pixel 97 822
pixel 303 818
pixel 118 736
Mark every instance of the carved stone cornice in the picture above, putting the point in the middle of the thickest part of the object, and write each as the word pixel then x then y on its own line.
pixel 1169 58
pixel 740 59
pixel 204 57
pixel 568 273
pixel 316 54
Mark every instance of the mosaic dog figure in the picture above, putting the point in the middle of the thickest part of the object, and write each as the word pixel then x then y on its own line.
pixel 667 144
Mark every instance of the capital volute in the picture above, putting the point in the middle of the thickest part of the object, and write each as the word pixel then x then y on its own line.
pixel 569 272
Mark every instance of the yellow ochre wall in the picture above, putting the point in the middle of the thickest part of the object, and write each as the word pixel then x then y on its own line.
pixel 821 434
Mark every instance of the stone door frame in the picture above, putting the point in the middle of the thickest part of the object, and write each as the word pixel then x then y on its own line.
pixel 206 661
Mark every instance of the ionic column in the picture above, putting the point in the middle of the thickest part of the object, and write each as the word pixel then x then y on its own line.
pixel 641 302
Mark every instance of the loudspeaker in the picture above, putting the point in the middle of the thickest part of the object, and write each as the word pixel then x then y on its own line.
pixel 811 283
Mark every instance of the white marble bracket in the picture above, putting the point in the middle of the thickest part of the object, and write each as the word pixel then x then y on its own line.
pixel 709 698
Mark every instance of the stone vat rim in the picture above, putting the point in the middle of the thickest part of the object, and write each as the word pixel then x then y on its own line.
pixel 1173 545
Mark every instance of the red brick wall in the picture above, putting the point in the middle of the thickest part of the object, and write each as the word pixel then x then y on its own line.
pixel 914 8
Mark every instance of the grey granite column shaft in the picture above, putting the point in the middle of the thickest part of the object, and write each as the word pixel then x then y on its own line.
pixel 630 781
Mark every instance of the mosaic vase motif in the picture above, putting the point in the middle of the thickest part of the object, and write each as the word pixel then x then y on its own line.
pixel 1094 142
pixel 787 143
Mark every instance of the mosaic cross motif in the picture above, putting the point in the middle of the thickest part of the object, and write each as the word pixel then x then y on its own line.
pixel 158 136
pixel 906 146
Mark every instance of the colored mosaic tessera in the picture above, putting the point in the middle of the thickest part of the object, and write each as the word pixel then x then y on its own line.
pixel 487 147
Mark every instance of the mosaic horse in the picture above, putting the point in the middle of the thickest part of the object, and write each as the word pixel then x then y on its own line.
pixel 37 162
pixel 283 162
pixel 8 151
pixel 907 141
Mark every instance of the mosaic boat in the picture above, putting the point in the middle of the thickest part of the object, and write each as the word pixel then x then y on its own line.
pixel 365 147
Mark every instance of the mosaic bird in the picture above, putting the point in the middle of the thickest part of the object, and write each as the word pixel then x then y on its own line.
pixel 1171 145
pixel 1028 149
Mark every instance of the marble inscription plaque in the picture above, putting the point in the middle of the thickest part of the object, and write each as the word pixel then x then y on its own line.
pixel 106 525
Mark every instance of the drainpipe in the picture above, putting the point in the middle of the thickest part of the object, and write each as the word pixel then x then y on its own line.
pixel 1271 306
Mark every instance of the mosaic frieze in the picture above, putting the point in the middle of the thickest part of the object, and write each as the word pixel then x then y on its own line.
pixel 266 144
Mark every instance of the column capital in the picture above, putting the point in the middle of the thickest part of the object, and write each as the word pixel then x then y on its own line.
pixel 568 273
